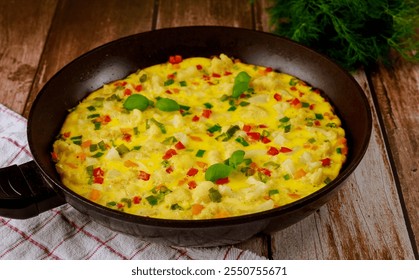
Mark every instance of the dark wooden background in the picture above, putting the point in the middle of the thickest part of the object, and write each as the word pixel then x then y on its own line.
pixel 374 216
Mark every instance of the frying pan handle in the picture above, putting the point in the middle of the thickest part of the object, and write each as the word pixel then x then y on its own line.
pixel 25 193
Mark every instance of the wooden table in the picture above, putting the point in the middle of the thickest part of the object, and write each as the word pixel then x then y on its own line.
pixel 375 216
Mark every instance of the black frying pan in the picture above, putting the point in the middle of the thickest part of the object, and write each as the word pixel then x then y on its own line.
pixel 32 188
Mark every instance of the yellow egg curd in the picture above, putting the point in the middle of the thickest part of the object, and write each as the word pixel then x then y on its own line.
pixel 200 138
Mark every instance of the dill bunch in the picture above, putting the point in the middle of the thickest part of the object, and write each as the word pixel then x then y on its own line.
pixel 351 32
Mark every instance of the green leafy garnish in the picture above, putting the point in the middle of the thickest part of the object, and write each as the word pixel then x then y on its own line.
pixel 218 171
pixel 353 33
pixel 167 105
pixel 236 158
pixel 241 84
pixel 136 101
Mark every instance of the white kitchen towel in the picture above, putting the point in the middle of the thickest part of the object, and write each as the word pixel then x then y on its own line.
pixel 65 233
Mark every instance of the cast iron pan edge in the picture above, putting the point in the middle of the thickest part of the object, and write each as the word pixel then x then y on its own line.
pixel 119 58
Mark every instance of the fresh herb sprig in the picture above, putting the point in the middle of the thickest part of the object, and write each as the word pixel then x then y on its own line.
pixel 353 33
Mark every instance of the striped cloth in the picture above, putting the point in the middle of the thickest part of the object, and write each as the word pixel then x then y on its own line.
pixel 65 233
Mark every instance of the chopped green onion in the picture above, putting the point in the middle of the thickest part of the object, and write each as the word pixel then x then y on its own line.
pixel 183 83
pixel 97 125
pixel 127 201
pixel 76 140
pixel 214 128
pixel 265 133
pixel 293 82
pixel 287 177
pixel 114 97
pixel 242 141
pixel 93 116
pixel 159 125
pixel 152 200
pixel 111 204
pixel 170 140
pixel 208 105
pixel 175 207
pixel 214 195
pixel 224 97
pixel 231 131
pixel 93 147
pixel 272 164
pixel 184 107
pixel 143 78
pixel 287 128
pixel 102 145
pixel 91 108
pixel 168 82
pixel 200 153
pixel 284 119
pixel 263 177
pixel 89 170
pixel 273 192
pixel 97 155
pixel 122 149
pixel 319 116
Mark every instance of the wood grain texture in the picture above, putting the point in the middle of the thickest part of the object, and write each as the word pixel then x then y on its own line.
pixel 236 13
pixel 397 91
pixel 22 37
pixel 80 26
pixel 365 220
pixel 367 217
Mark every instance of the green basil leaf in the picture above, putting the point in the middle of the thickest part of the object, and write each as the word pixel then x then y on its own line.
pixel 217 171
pixel 236 158
pixel 241 84
pixel 167 105
pixel 136 101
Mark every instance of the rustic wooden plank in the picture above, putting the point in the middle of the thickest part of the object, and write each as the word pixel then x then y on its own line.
pixel 365 220
pixel 80 26
pixel 23 32
pixel 235 13
pixel 397 89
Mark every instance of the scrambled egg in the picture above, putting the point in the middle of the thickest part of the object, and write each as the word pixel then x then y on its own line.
pixel 200 138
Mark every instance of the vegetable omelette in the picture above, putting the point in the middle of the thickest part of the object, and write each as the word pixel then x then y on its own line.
pixel 200 138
